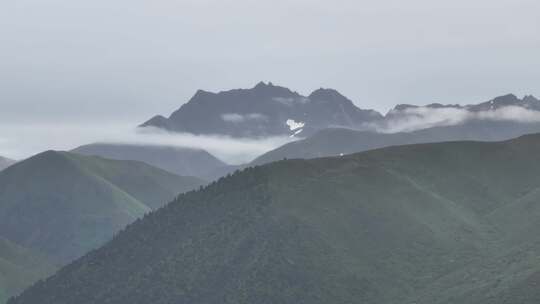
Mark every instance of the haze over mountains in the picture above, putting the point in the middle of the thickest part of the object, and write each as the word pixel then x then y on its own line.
pixel 264 110
pixel 269 110
pixel 56 206
pixel 276 229
pixel 432 223
pixel 335 142
pixel 519 114
pixel 397 161
pixel 320 122
pixel 507 108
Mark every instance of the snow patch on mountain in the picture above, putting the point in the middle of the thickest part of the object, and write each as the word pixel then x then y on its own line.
pixel 298 131
pixel 294 125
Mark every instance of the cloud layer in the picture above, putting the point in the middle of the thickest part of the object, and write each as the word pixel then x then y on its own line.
pixel 412 119
pixel 238 118
pixel 21 141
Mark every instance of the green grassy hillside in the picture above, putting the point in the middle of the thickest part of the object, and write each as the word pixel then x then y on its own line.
pixel 147 184
pixel 63 204
pixel 18 266
pixel 433 223
pixel 60 205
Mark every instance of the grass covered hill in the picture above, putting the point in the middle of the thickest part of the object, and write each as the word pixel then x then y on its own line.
pixel 18 267
pixel 433 223
pixel 63 204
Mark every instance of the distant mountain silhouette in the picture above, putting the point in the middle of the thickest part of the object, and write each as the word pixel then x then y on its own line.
pixel 269 110
pixel 335 142
pixel 264 110
pixel 181 161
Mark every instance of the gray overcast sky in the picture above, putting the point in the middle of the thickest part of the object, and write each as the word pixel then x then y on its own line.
pixel 104 60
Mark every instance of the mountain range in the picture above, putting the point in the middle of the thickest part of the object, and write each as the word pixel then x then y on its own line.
pixel 528 102
pixel 336 142
pixel 56 206
pixel 440 223
pixel 264 110
pixel 409 220
pixel 269 110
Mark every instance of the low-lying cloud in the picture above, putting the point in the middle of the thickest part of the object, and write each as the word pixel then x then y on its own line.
pixel 413 119
pixel 21 141
pixel 239 118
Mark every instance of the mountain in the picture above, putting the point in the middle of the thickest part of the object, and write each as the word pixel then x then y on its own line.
pixel 63 204
pixel 527 102
pixel 264 110
pixel 181 161
pixel 18 266
pixel 335 142
pixel 5 162
pixel 268 110
pixel 432 223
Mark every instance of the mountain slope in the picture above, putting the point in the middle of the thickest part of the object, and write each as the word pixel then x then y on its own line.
pixel 264 110
pixel 18 266
pixel 64 204
pixel 181 161
pixel 433 223
pixel 334 142
pixel 5 162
